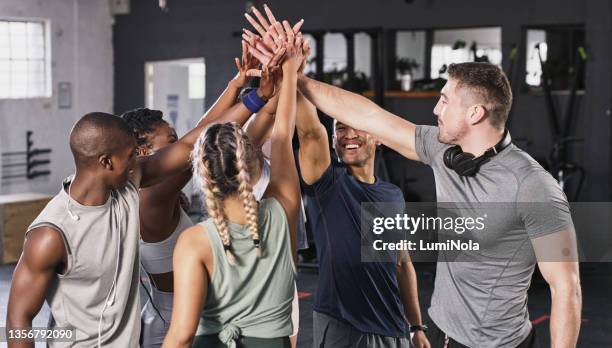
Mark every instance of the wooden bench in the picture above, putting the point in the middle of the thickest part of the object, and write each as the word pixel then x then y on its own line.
pixel 17 211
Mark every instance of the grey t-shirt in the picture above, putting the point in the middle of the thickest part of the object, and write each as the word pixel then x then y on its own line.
pixel 482 301
pixel 99 288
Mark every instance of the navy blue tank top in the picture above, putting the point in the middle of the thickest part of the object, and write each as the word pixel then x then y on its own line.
pixel 362 294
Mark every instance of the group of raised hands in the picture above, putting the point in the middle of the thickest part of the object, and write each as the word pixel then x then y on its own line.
pixel 278 48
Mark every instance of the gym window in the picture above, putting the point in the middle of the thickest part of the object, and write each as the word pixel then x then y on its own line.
pixel 197 80
pixel 562 50
pixel 464 45
pixel 24 59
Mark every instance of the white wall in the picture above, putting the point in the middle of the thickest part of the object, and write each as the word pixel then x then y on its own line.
pixel 82 54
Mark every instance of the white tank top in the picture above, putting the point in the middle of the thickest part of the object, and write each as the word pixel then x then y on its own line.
pixel 156 258
pixel 264 179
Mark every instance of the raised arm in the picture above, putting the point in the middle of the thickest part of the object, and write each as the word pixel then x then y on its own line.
pixel 349 108
pixel 314 153
pixel 284 182
pixel 361 113
pixel 174 158
pixel 260 125
pixel 223 107
pixel 228 98
pixel 43 253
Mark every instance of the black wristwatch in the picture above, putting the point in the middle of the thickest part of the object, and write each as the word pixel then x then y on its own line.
pixel 415 328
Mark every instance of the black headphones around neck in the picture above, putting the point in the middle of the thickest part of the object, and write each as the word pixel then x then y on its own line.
pixel 466 164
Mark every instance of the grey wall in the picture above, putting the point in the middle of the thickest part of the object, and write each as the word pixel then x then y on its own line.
pixel 193 28
pixel 82 54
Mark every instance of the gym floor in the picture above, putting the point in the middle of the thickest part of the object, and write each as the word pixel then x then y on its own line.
pixel 596 290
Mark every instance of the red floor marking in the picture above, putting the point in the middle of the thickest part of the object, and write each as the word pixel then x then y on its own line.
pixel 543 318
pixel 540 319
pixel 303 294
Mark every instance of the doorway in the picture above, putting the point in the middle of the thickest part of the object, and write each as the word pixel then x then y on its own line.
pixel 178 89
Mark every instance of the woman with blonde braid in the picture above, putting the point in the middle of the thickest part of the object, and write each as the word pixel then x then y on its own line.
pixel 234 273
pixel 162 219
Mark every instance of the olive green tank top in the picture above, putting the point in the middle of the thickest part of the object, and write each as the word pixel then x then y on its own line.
pixel 252 298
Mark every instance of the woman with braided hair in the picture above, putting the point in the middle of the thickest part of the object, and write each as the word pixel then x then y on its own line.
pixel 162 218
pixel 235 272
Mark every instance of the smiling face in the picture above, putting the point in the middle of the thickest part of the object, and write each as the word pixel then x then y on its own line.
pixel 353 147
pixel 452 114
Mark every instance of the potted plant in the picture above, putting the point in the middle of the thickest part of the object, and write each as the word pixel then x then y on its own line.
pixel 405 66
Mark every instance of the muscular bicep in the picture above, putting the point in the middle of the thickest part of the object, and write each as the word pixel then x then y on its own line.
pixel 560 246
pixel 43 254
pixel 557 256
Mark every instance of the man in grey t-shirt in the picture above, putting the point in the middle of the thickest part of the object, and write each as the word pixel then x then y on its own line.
pixel 479 298
pixel 482 301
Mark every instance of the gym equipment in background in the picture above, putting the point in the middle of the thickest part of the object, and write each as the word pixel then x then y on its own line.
pixel 13 163
pixel 560 166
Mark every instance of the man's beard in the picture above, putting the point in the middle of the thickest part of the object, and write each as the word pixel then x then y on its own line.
pixel 452 138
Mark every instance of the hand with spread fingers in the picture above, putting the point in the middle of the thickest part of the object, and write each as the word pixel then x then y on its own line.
pixel 269 38
pixel 294 54
pixel 265 27
pixel 256 47
pixel 246 67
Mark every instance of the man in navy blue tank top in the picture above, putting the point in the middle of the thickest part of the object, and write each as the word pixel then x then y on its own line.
pixel 358 304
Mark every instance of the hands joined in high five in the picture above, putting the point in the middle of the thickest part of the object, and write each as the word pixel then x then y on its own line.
pixel 278 48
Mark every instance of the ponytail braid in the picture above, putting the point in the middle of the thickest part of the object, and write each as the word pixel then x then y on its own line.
pixel 201 165
pixel 245 189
